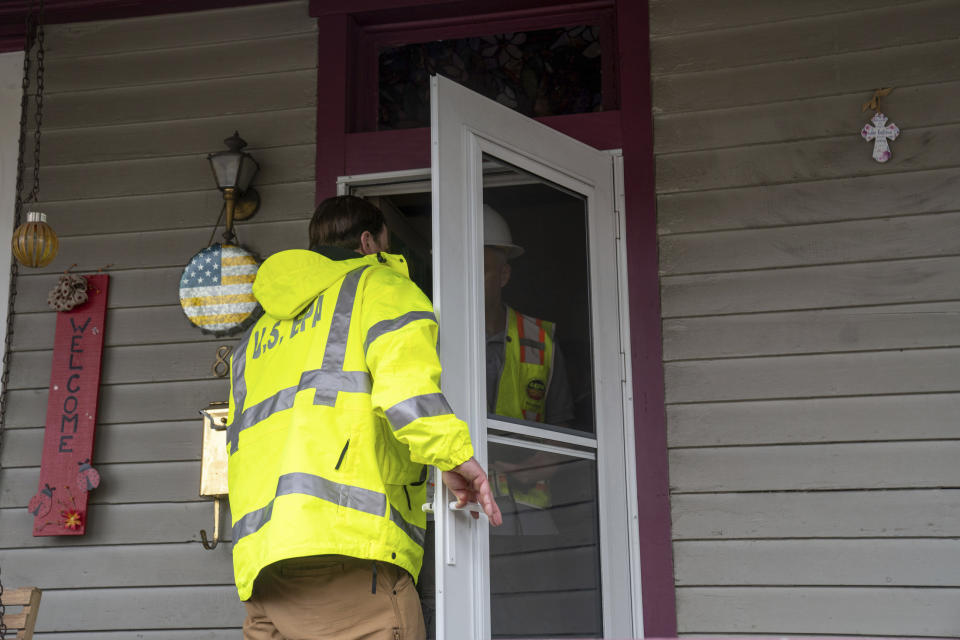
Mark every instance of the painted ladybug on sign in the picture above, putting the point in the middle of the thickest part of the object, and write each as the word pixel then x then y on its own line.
pixel 88 477
pixel 40 503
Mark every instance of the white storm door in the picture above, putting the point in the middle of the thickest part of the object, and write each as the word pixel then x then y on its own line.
pixel 560 564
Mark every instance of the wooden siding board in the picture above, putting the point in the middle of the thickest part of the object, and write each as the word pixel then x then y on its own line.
pixel 128 442
pixel 853 419
pixel 919 236
pixel 826 610
pixel 182 100
pixel 147 608
pixel 163 175
pixel 134 141
pixel 669 17
pixel 178 210
pixel 121 365
pixel 810 202
pixel 173 248
pixel 182 64
pixel 121 484
pixel 806 160
pixel 928 513
pixel 813 331
pixel 835 286
pixel 116 524
pixel 879 562
pixel 810 467
pixel 160 401
pixel 128 288
pixel 137 565
pixel 828 75
pixel 786 41
pixel 921 106
pixel 172 31
pixel 135 326
pixel 846 374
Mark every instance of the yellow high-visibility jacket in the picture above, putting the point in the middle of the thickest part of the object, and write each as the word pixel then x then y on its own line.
pixel 527 368
pixel 335 409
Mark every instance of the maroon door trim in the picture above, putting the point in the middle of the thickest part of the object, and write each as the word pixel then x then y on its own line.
pixel 347 26
pixel 650 422
pixel 373 22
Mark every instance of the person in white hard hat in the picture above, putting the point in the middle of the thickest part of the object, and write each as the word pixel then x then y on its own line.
pixel 526 374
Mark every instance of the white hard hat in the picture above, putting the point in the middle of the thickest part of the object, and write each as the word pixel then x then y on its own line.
pixel 496 233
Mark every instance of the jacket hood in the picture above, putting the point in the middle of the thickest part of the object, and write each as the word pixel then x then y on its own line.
pixel 289 280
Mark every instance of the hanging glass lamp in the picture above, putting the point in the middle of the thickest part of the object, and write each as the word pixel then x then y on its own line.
pixel 34 242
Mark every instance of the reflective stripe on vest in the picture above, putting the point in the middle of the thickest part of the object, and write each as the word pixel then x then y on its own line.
pixel 327 381
pixel 532 339
pixel 527 368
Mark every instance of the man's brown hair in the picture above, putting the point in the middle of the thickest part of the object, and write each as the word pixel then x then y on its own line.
pixel 340 221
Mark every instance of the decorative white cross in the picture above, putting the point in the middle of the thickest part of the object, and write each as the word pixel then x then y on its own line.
pixel 881 132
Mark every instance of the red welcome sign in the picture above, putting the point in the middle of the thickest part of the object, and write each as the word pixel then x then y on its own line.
pixel 66 475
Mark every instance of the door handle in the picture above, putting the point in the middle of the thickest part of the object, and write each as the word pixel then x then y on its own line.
pixel 474 507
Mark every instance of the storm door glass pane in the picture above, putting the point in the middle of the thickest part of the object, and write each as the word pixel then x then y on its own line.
pixel 545 559
pixel 537 302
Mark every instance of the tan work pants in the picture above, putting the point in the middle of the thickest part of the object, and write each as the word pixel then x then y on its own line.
pixel 331 598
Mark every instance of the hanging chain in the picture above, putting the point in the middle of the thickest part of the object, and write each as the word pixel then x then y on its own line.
pixel 35 192
pixel 33 31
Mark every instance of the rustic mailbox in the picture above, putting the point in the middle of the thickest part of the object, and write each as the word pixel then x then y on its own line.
pixel 213 469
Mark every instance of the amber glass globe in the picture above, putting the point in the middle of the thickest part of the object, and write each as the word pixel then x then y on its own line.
pixel 34 242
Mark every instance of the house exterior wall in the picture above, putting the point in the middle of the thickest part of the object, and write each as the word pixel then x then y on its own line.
pixel 810 314
pixel 132 108
pixel 11 92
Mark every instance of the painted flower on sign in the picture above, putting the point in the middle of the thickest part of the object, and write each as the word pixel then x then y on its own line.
pixel 71 519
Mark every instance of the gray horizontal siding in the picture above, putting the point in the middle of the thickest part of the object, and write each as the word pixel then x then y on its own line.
pixel 133 107
pixel 810 304
pixel 820 610
pixel 672 17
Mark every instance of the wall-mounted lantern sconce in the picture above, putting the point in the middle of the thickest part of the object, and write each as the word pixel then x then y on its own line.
pixel 234 171
pixel 34 242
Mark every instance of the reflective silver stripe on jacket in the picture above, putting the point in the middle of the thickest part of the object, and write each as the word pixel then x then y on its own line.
pixel 386 326
pixel 238 363
pixel 328 381
pixel 308 484
pixel 425 406
pixel 414 532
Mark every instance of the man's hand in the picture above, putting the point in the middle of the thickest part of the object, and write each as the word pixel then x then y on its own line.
pixel 469 483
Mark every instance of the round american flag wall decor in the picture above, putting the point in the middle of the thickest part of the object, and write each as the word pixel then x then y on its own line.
pixel 216 289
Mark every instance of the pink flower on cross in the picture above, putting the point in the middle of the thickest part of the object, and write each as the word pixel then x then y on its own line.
pixel 880 131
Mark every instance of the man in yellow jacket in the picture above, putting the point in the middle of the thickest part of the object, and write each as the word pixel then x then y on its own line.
pixel 335 415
